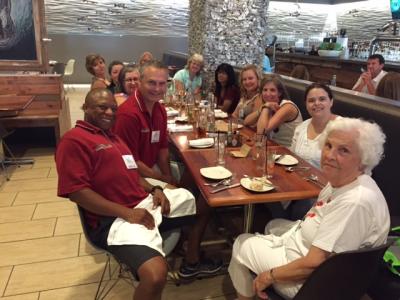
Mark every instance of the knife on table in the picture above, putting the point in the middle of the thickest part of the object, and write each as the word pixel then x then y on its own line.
pixel 225 188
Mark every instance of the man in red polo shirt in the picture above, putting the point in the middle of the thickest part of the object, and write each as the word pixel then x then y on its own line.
pixel 97 171
pixel 142 124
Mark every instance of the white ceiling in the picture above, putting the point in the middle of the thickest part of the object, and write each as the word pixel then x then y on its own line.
pixel 120 17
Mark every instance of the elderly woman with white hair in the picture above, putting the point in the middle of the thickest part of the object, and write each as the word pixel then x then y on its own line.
pixel 351 213
pixel 189 78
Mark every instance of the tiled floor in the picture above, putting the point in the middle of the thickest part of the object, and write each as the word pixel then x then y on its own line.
pixel 43 253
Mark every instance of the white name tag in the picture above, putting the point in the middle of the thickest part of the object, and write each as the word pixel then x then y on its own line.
pixel 155 136
pixel 129 161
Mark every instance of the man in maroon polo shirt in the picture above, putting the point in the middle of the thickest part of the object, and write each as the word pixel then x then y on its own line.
pixel 142 123
pixel 98 172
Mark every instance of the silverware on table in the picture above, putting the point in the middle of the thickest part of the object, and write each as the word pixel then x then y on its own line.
pixel 280 157
pixel 314 179
pixel 225 188
pixel 294 168
pixel 223 181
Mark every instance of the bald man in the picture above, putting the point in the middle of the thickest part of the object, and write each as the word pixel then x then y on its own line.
pixel 98 172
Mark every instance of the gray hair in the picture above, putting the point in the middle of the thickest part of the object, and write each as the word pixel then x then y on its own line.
pixel 370 139
pixel 153 63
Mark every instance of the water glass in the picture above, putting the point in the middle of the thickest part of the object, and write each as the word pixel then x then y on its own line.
pixel 270 162
pixel 220 147
pixel 260 158
pixel 258 141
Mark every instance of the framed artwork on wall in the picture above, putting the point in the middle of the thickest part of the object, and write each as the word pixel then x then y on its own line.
pixel 22 29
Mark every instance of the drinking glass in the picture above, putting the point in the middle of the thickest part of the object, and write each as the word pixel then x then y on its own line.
pixel 258 141
pixel 260 158
pixel 220 147
pixel 270 162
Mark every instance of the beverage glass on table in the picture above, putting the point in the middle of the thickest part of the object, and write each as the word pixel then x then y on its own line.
pixel 260 157
pixel 270 162
pixel 220 147
pixel 201 124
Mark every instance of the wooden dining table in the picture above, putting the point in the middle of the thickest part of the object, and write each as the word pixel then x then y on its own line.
pixel 11 105
pixel 288 185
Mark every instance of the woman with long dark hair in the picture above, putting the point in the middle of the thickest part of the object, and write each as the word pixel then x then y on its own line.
pixel 227 92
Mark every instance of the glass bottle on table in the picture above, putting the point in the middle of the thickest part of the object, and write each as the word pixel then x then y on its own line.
pixel 210 117
pixel 240 119
pixel 189 99
pixel 333 80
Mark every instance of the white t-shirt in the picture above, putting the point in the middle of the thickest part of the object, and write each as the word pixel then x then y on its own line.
pixel 308 149
pixel 347 218
pixel 285 131
pixel 375 82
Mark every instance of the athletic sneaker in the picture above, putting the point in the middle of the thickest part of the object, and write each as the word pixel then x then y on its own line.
pixel 203 267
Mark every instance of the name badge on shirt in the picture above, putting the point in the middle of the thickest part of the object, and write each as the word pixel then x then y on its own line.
pixel 155 136
pixel 129 161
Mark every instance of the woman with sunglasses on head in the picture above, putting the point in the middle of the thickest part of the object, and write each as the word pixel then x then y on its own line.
pixel 277 116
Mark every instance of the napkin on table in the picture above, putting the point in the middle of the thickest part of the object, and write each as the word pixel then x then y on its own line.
pixel 179 128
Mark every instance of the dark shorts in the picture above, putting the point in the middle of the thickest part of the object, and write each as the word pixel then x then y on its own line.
pixel 132 255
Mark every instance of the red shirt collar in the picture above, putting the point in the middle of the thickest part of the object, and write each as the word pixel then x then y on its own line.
pixel 137 99
pixel 90 127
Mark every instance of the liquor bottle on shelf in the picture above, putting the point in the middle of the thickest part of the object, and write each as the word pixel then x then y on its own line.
pixel 333 80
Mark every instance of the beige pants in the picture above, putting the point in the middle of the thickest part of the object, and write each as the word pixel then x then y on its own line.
pixel 258 253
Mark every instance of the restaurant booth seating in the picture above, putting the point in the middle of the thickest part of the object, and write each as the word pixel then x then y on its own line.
pixel 343 276
pixel 49 107
pixel 384 112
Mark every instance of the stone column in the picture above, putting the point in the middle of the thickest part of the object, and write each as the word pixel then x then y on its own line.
pixel 230 31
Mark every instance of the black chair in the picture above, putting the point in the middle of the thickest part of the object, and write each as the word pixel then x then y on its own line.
pixel 343 276
pixel 122 271
pixel 10 159
pixel 58 68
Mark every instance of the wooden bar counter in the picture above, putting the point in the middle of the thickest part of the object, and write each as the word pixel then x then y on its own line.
pixel 322 69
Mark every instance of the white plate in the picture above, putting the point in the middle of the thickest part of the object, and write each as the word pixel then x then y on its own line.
pixel 181 119
pixel 287 160
pixel 246 183
pixel 215 172
pixel 202 146
pixel 219 114
pixel 201 143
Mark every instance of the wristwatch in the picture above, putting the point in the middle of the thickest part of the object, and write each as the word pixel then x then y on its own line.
pixel 154 188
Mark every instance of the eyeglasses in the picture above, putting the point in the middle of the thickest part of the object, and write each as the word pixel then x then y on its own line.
pixel 131 80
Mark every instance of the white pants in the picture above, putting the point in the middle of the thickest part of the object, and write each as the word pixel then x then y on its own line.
pixel 258 253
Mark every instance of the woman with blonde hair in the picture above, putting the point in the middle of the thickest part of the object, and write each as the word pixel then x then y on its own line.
pixel 96 65
pixel 250 100
pixel 189 78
